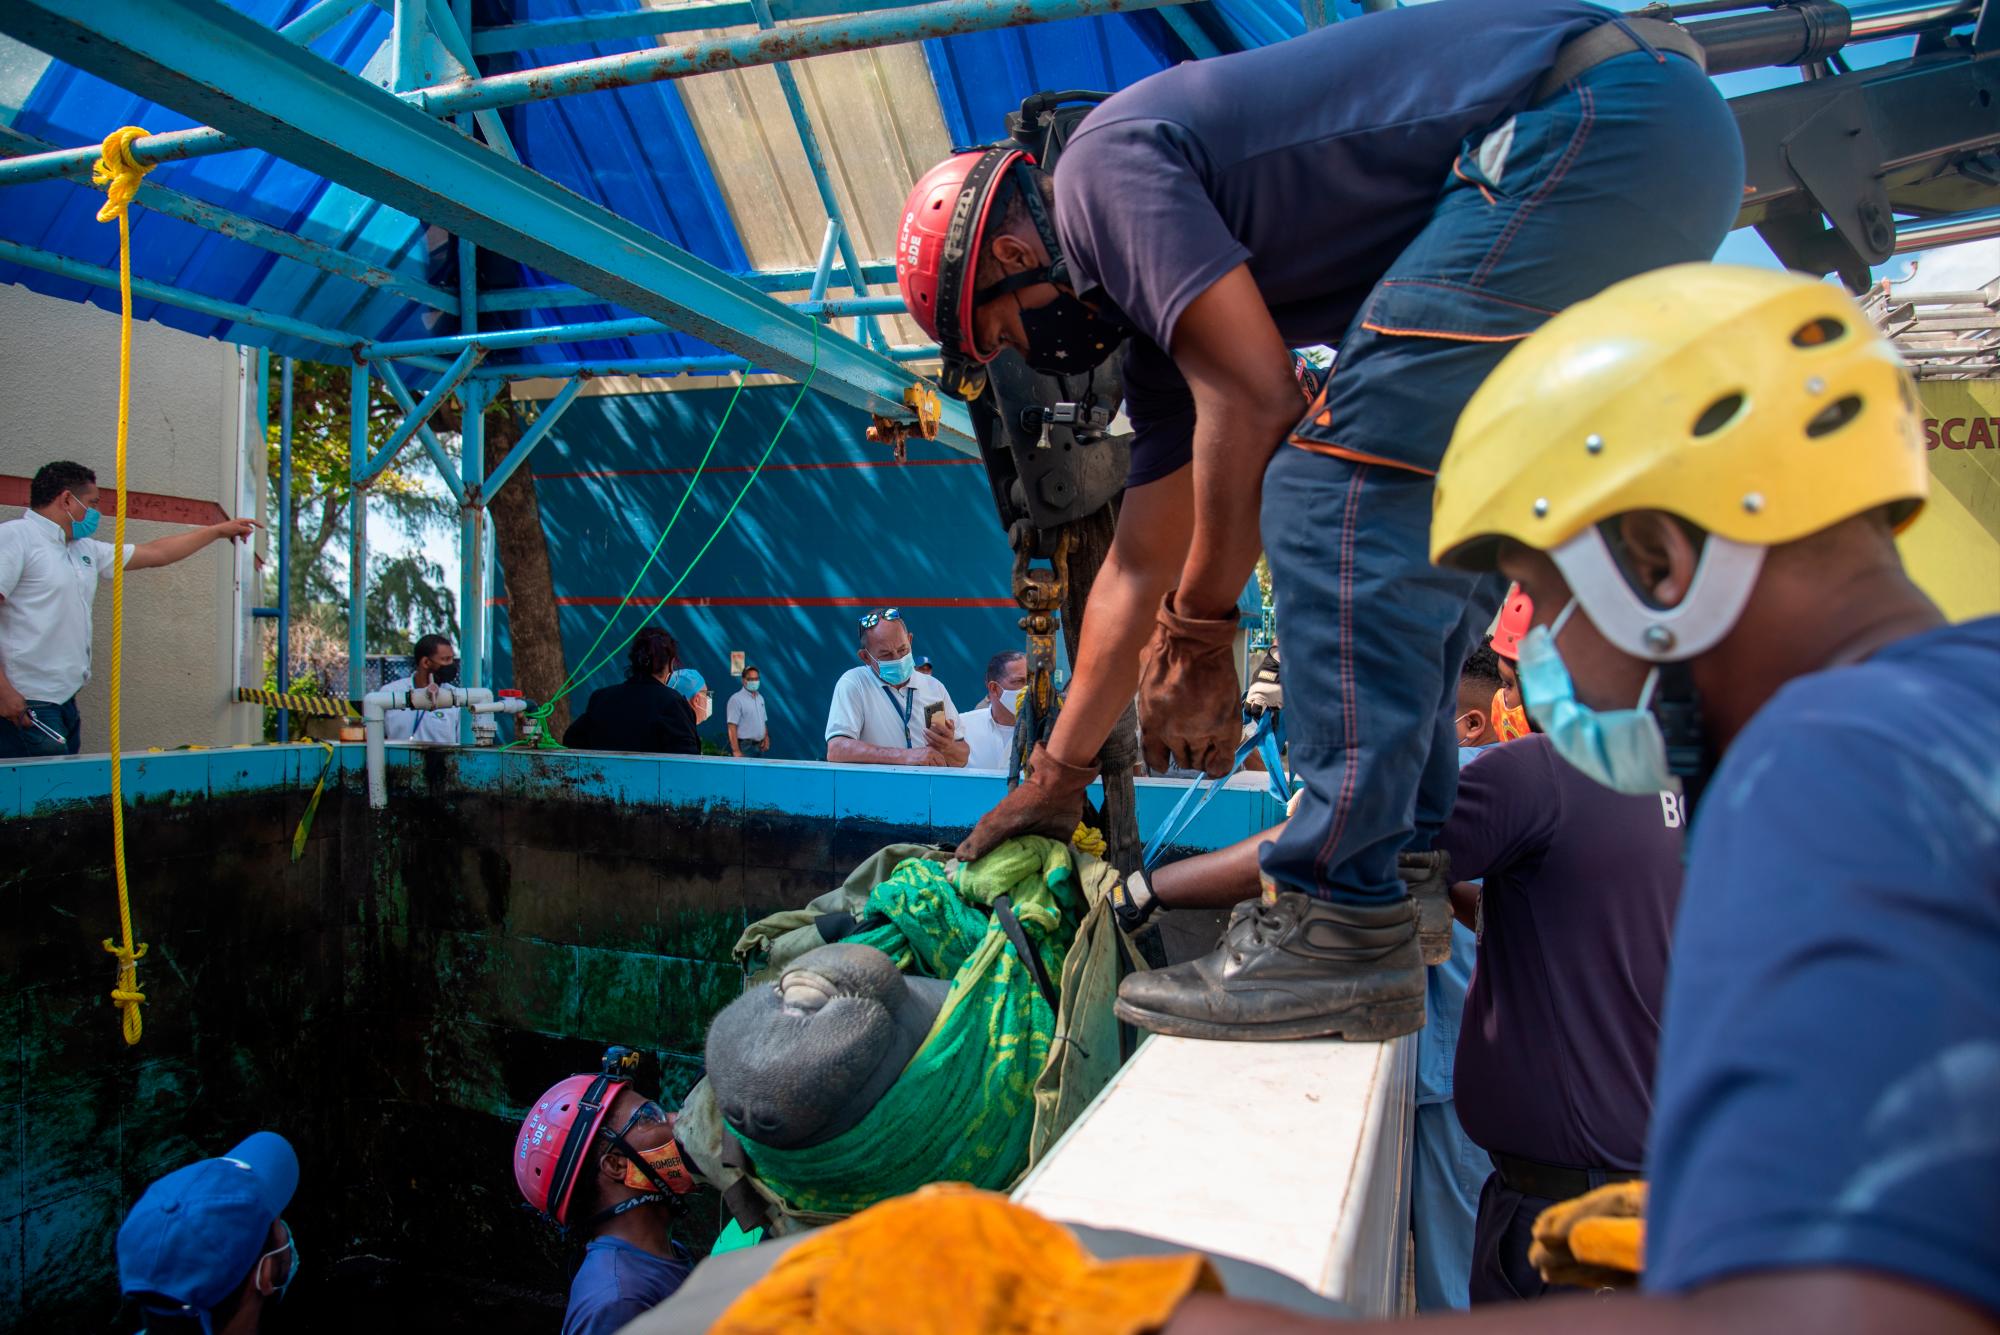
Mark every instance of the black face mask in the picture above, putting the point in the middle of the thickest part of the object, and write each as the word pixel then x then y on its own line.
pixel 446 675
pixel 1067 337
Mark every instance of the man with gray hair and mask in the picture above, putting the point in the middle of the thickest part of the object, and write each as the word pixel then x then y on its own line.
pixel 885 712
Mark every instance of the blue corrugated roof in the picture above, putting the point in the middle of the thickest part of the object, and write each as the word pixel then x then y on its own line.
pixel 70 108
pixel 634 150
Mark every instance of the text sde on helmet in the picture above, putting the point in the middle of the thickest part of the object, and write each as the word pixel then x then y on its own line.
pixel 1758 406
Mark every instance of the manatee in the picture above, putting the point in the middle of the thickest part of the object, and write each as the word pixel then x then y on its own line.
pixel 795 1063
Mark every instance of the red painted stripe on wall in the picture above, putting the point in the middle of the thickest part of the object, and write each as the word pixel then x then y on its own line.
pixel 593 600
pixel 769 468
pixel 141 505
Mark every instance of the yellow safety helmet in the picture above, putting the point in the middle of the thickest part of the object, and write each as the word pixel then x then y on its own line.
pixel 1759 406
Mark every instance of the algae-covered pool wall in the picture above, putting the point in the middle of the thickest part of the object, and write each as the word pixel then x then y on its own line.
pixel 394 999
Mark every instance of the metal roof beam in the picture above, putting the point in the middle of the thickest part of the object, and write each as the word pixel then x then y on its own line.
pixel 665 366
pixel 28 257
pixel 557 296
pixel 795 101
pixel 626 25
pixel 209 62
pixel 888 27
pixel 215 218
pixel 591 331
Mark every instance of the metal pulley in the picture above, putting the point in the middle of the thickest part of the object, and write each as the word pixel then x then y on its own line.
pixel 1040 591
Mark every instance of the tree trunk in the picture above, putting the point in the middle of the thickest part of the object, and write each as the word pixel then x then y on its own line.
pixel 533 624
pixel 1089 545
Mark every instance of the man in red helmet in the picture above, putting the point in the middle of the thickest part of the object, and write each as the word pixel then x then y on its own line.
pixel 1509 714
pixel 596 1156
pixel 1422 187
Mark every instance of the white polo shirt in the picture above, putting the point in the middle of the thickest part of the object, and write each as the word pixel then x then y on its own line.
pixel 870 710
pixel 746 710
pixel 49 584
pixel 992 743
pixel 418 725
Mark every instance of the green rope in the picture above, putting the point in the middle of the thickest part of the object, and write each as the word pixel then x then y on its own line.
pixel 542 711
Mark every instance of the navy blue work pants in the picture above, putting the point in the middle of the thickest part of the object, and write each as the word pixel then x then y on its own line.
pixel 1634 165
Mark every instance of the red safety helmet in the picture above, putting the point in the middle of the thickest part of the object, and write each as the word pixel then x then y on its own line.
pixel 1517 614
pixel 937 254
pixel 556 1139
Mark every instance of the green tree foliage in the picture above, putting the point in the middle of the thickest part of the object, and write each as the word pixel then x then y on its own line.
pixel 404 592
pixel 407 598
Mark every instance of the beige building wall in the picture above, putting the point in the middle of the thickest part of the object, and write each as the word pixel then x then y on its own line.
pixel 59 400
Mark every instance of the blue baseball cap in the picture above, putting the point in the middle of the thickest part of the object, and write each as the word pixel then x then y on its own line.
pixel 923 662
pixel 688 682
pixel 195 1234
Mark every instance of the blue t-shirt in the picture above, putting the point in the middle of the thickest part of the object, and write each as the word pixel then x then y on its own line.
pixel 1444 1001
pixel 1829 1083
pixel 618 1282
pixel 1316 160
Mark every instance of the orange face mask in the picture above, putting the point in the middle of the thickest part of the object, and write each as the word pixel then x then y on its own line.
pixel 1509 725
pixel 667 1162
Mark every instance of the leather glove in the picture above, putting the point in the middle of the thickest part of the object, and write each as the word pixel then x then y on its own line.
pixel 1427 876
pixel 1049 801
pixel 1596 1241
pixel 1188 701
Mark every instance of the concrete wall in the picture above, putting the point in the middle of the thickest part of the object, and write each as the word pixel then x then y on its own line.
pixel 396 998
pixel 59 400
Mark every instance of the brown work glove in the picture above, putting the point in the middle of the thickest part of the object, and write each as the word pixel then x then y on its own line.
pixel 1188 693
pixel 1595 1241
pixel 1049 801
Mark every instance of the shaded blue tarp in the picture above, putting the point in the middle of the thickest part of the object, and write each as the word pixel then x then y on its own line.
pixel 830 529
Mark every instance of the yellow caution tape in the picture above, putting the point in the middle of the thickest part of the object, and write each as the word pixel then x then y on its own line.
pixel 319 706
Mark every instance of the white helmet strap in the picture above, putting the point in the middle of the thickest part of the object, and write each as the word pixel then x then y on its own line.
pixel 1716 596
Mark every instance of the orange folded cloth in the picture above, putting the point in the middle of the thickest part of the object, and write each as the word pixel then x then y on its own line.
pixel 951 1260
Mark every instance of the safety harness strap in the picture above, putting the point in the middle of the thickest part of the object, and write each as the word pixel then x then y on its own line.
pixel 1263 737
pixel 1003 913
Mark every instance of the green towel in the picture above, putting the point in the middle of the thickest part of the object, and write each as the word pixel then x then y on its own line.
pixel 964 1108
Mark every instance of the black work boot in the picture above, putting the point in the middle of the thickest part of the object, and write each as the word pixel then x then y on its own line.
pixel 1291 966
pixel 1427 876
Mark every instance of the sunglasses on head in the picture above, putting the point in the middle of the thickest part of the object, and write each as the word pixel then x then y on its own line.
pixel 874 619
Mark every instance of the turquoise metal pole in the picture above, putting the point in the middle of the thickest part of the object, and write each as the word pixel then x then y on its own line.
pixel 669 366
pixel 406 46
pixel 357 533
pixel 473 399
pixel 556 296
pixel 419 416
pixel 889 27
pixel 551 413
pixel 584 331
pixel 869 332
pixel 613 27
pixel 285 546
pixel 400 392
pixel 64 267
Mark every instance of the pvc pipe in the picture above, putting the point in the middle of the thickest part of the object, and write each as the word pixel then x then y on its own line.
pixel 375 707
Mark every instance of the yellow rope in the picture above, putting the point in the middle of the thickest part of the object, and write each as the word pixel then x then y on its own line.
pixel 120 173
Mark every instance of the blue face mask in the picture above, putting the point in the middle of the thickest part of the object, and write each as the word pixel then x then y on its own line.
pixel 897 670
pixel 1620 748
pixel 84 527
pixel 753 686
pixel 292 1246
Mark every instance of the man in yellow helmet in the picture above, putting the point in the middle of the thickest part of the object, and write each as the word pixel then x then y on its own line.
pixel 1697 476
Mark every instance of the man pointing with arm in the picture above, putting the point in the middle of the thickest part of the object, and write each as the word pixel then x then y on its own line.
pixel 50 567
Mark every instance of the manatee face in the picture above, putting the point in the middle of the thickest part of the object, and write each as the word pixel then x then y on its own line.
pixel 797 1063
